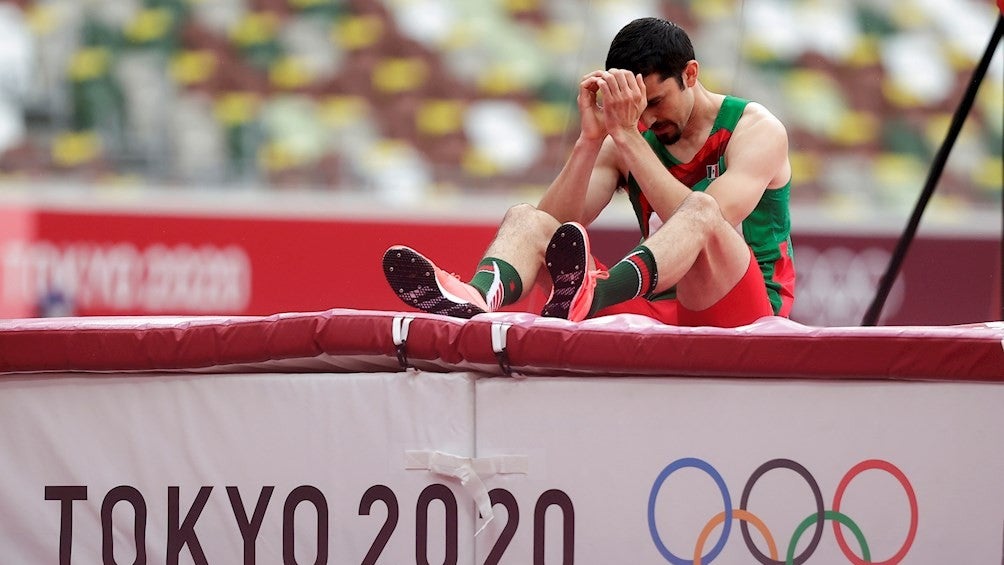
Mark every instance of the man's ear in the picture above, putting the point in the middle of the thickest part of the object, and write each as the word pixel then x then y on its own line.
pixel 690 73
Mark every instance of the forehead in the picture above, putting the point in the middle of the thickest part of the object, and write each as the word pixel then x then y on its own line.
pixel 655 85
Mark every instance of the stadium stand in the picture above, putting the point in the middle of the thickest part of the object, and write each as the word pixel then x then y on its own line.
pixel 405 97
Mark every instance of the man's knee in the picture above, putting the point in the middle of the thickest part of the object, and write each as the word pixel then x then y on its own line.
pixel 521 211
pixel 703 213
pixel 528 217
pixel 702 207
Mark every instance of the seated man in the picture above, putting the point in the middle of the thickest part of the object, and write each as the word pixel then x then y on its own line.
pixel 712 168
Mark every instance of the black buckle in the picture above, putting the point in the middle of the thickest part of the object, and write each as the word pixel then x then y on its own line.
pixel 402 354
pixel 503 359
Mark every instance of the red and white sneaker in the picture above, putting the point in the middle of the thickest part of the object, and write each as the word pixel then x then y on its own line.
pixel 567 259
pixel 420 283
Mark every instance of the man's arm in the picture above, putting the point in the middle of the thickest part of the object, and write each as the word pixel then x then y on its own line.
pixel 585 185
pixel 588 180
pixel 757 153
pixel 661 188
pixel 757 158
pixel 625 100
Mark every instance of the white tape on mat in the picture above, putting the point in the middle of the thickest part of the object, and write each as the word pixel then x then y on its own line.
pixel 400 328
pixel 499 331
pixel 470 471
pixel 399 331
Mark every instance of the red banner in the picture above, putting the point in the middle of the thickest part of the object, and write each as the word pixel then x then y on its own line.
pixel 55 262
pixel 121 264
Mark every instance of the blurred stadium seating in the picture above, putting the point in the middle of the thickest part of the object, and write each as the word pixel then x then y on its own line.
pixel 404 98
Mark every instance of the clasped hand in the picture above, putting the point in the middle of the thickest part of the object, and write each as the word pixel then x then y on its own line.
pixel 623 101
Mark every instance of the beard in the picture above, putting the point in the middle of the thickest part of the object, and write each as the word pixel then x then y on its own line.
pixel 670 135
pixel 668 138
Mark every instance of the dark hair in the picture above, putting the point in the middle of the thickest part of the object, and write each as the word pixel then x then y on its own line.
pixel 651 45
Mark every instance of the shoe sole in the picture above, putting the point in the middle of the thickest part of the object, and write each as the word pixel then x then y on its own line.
pixel 413 278
pixel 566 259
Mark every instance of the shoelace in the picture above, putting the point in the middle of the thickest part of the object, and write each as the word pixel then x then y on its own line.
pixel 456 276
pixel 594 275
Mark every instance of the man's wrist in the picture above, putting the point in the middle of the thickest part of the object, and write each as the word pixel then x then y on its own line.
pixel 625 134
pixel 589 142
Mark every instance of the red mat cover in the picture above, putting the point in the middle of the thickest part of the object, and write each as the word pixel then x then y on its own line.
pixel 343 340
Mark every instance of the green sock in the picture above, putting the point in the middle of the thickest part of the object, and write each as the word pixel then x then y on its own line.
pixel 498 282
pixel 632 276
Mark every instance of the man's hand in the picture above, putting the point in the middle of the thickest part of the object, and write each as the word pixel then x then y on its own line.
pixel 624 100
pixel 589 109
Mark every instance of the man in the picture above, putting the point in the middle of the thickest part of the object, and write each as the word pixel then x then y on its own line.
pixel 713 169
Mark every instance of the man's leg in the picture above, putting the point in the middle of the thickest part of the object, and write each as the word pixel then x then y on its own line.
pixel 521 239
pixel 696 249
pixel 699 252
pixel 513 256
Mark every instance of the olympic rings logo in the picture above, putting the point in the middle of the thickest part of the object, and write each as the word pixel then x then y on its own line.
pixel 817 518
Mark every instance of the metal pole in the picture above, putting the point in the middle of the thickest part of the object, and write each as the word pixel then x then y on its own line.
pixel 937 167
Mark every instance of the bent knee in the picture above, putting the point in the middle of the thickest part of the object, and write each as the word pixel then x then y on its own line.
pixel 703 210
pixel 521 210
pixel 701 203
pixel 530 217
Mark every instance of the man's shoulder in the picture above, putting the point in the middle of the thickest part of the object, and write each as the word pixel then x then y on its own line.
pixel 754 112
pixel 757 122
